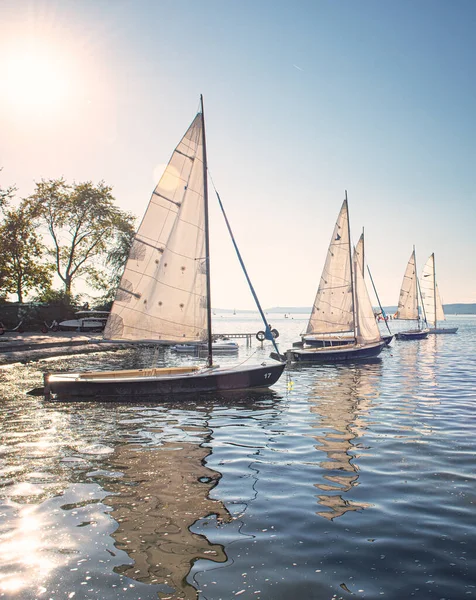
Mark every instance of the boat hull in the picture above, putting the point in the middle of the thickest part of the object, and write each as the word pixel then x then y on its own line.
pixel 329 355
pixel 444 330
pixel 201 349
pixel 387 338
pixel 412 334
pixel 328 342
pixel 83 325
pixel 158 383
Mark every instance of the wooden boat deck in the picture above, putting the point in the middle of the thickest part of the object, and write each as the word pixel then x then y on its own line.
pixel 153 372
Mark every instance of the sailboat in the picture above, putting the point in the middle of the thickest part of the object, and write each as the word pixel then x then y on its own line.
pixel 342 324
pixel 431 298
pixel 165 292
pixel 408 303
pixel 360 254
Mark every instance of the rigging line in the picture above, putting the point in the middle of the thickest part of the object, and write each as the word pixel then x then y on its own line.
pixel 247 358
pixel 268 334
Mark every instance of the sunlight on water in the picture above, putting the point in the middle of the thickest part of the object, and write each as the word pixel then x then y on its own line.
pixel 343 479
pixel 27 549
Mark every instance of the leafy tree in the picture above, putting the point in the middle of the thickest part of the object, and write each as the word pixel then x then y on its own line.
pixel 5 195
pixel 21 269
pixel 84 226
pixel 115 262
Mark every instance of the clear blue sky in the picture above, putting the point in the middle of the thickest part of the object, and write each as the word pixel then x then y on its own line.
pixel 303 100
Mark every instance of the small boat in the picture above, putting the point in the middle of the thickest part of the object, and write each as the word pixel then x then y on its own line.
pixel 408 304
pixel 164 294
pixel 342 325
pixel 431 298
pixel 86 320
pixel 218 347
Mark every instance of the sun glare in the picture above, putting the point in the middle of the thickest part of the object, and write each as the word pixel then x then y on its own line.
pixel 36 78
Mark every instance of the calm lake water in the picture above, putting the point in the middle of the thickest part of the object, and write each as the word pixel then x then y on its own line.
pixel 352 481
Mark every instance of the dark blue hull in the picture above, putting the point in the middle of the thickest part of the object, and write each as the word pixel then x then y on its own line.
pixel 387 338
pixel 329 355
pixel 88 386
pixel 415 334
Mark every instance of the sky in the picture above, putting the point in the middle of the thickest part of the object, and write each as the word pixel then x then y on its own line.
pixel 303 100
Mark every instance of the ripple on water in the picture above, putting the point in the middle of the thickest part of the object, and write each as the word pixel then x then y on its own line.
pixel 355 479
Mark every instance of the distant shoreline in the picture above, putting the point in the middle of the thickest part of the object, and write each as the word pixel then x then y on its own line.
pixel 450 309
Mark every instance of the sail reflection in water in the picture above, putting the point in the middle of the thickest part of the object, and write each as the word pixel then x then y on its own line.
pixel 342 398
pixel 163 492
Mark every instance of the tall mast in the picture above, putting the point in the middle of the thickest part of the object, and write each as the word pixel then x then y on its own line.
pixel 207 240
pixel 351 269
pixel 434 286
pixel 422 305
pixel 415 277
pixel 418 289
pixel 363 253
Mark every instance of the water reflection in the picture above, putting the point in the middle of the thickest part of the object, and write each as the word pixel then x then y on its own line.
pixel 341 397
pixel 429 355
pixel 102 496
pixel 161 494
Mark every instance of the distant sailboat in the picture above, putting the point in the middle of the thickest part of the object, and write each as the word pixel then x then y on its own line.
pixel 164 294
pixel 408 304
pixel 431 298
pixel 342 324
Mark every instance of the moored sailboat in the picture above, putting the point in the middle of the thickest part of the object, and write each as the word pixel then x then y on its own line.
pixel 408 303
pixel 342 325
pixel 432 300
pixel 165 292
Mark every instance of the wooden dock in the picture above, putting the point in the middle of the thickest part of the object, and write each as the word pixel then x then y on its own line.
pixel 235 336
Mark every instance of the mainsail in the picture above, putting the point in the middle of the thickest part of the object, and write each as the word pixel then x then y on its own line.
pixel 429 292
pixel 162 294
pixel 332 311
pixel 408 301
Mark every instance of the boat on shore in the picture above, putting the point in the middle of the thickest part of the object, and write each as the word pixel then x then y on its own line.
pixel 408 304
pixel 219 347
pixel 86 320
pixel 432 300
pixel 165 293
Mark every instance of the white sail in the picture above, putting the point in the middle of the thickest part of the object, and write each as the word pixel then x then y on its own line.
pixel 162 293
pixel 367 330
pixel 440 313
pixel 359 253
pixel 428 290
pixel 332 311
pixel 430 295
pixel 408 301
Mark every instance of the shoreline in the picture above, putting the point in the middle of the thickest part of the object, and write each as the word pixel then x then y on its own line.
pixel 26 347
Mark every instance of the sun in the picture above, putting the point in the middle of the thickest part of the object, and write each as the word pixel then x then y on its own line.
pixel 36 78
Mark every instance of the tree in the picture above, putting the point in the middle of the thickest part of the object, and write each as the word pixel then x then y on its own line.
pixel 114 263
pixel 83 223
pixel 5 195
pixel 21 269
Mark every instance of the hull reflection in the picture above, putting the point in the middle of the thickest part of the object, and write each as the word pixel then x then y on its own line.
pixel 163 492
pixel 342 398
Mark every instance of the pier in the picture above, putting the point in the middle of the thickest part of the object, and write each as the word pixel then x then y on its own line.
pixel 236 336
